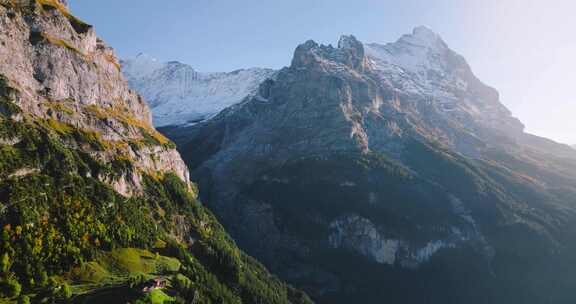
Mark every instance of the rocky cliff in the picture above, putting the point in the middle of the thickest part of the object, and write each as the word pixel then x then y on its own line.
pixel 93 199
pixel 370 172
pixel 63 73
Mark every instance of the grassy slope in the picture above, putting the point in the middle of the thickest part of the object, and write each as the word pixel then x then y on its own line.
pixel 119 266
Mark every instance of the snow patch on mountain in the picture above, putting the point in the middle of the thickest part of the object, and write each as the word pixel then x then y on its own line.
pixel 416 64
pixel 179 95
pixel 421 66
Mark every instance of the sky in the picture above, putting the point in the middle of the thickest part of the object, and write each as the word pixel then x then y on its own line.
pixel 526 49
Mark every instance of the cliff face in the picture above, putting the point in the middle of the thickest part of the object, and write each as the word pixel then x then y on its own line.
pixel 91 195
pixel 64 73
pixel 395 159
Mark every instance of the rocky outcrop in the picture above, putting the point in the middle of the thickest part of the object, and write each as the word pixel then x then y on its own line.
pixel 350 52
pixel 358 234
pixel 67 77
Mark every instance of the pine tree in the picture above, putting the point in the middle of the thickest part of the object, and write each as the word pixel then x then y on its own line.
pixel 24 300
pixel 5 263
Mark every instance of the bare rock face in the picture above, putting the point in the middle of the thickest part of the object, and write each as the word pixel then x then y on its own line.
pixel 350 52
pixel 358 234
pixel 66 76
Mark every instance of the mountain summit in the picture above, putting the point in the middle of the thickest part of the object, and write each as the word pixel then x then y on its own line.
pixel 424 37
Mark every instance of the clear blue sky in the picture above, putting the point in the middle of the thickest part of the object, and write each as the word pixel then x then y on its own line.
pixel 524 48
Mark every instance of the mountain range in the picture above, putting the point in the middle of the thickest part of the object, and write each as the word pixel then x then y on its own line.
pixel 180 95
pixel 365 172
pixel 359 173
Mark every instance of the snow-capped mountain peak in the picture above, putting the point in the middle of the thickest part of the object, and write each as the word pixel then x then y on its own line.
pixel 179 95
pixel 141 65
pixel 424 37
pixel 415 53
pixel 422 66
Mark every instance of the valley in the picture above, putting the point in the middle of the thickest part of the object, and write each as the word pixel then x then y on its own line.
pixel 357 173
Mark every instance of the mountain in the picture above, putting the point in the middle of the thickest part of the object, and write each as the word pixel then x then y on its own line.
pixel 93 200
pixel 368 173
pixel 179 95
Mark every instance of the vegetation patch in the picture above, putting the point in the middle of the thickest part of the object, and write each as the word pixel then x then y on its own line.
pixel 150 136
pixel 60 107
pixel 133 261
pixel 78 25
pixel 60 127
pixel 157 296
pixel 113 61
pixel 62 43
pixel 7 94
pixel 120 265
pixel 37 37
